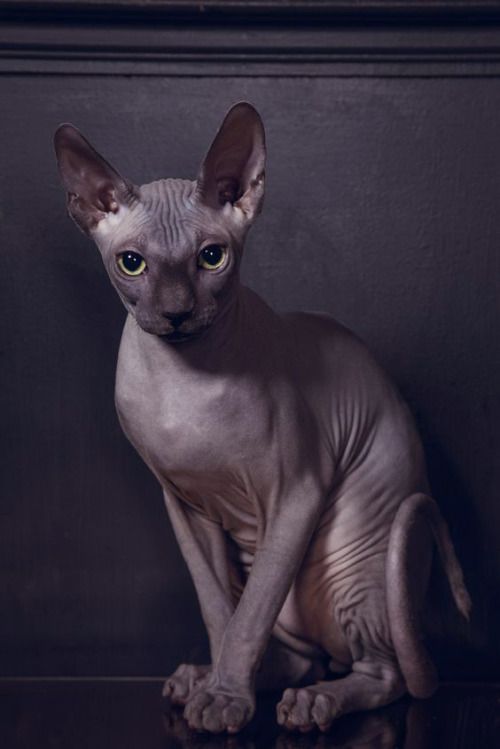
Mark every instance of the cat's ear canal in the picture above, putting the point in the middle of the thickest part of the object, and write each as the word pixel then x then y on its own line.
pixel 94 188
pixel 233 169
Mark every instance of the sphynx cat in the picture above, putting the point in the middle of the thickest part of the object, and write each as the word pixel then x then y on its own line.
pixel 292 472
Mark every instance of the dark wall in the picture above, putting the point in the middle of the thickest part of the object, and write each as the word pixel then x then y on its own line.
pixel 382 208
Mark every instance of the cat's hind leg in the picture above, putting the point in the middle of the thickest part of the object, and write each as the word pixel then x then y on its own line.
pixel 375 678
pixel 382 625
pixel 184 681
pixel 357 609
pixel 371 684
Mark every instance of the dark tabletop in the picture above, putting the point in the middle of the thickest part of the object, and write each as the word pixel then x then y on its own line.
pixel 130 713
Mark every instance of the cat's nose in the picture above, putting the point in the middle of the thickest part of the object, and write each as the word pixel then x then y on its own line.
pixel 177 318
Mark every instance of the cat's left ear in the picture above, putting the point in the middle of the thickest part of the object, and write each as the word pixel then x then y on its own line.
pixel 94 188
pixel 233 169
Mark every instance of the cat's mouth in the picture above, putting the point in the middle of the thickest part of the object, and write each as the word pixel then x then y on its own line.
pixel 188 332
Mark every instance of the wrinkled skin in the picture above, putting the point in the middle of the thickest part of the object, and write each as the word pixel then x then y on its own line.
pixel 291 470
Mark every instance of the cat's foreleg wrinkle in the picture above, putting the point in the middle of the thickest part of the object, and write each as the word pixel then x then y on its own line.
pixel 203 546
pixel 226 700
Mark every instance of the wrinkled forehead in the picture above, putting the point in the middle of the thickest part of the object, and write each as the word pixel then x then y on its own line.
pixel 167 217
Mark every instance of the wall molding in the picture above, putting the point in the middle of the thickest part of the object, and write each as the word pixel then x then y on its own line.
pixel 115 37
pixel 123 11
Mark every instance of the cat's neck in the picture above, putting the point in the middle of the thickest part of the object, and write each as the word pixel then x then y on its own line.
pixel 244 333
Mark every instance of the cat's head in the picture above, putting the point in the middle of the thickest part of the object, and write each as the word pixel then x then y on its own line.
pixel 172 248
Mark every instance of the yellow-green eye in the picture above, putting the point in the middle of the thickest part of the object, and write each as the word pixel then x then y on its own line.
pixel 131 263
pixel 212 257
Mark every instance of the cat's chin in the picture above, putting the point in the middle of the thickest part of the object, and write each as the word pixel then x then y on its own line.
pixel 178 337
pixel 172 336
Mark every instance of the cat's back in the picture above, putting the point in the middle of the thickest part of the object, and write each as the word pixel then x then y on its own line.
pixel 329 354
pixel 359 406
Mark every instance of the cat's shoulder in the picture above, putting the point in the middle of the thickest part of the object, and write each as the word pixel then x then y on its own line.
pixel 323 341
pixel 322 328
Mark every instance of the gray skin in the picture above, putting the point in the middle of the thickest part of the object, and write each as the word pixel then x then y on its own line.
pixel 291 470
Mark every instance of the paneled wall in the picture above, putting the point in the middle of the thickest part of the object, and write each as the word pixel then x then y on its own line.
pixel 383 208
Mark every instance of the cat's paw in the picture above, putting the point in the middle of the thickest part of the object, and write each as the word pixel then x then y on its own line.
pixel 305 709
pixel 212 710
pixel 185 680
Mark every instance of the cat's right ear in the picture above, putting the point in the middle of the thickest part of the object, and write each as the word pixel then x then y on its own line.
pixel 94 188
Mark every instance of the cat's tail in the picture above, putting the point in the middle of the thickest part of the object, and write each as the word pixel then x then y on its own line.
pixel 418 523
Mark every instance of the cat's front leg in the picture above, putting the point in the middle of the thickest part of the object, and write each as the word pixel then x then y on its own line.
pixel 203 546
pixel 226 699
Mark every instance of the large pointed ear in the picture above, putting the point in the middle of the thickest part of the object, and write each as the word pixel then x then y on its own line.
pixel 233 169
pixel 94 188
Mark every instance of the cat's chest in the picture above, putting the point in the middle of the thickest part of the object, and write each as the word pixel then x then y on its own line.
pixel 187 425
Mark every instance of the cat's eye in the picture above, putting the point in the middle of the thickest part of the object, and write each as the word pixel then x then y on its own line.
pixel 212 257
pixel 131 263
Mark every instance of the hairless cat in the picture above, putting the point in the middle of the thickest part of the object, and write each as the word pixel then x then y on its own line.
pixel 291 470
